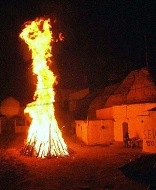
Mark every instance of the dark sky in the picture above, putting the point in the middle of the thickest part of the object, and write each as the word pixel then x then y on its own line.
pixel 104 41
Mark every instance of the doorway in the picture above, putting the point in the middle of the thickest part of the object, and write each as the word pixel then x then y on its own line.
pixel 125 129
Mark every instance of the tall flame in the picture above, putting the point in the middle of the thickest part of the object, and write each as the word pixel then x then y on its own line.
pixel 44 135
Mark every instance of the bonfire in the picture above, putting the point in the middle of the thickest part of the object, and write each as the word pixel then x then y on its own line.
pixel 44 136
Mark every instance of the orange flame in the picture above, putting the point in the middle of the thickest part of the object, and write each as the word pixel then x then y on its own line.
pixel 44 134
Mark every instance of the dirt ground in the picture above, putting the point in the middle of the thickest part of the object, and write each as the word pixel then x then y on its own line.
pixel 87 167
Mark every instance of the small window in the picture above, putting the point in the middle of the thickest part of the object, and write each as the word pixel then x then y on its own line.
pixel 103 127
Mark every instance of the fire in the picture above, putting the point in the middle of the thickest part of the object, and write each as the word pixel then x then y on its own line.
pixel 44 136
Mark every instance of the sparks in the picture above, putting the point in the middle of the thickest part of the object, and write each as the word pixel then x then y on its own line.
pixel 44 136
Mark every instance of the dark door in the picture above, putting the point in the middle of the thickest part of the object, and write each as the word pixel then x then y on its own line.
pixel 125 129
pixel 7 125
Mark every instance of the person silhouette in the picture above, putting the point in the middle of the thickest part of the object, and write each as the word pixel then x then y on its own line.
pixel 126 139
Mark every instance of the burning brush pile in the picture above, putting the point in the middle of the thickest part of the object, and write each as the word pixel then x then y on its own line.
pixel 44 136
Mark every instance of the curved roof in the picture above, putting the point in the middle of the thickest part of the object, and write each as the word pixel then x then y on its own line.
pixel 137 87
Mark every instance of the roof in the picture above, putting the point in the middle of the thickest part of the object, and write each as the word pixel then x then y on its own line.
pixel 152 109
pixel 137 87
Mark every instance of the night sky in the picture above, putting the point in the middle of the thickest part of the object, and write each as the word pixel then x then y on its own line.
pixel 104 41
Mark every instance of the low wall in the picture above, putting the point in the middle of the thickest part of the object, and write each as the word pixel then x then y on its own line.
pixel 149 134
pixel 21 129
pixel 94 132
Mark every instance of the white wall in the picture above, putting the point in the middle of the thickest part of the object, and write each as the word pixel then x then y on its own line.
pixel 100 132
pixel 149 133
pixel 134 114
pixel 81 130
pixel 21 128
pixel 95 131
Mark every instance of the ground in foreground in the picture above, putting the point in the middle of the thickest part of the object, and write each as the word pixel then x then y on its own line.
pixel 87 167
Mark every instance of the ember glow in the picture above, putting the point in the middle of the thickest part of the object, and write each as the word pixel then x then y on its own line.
pixel 44 136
